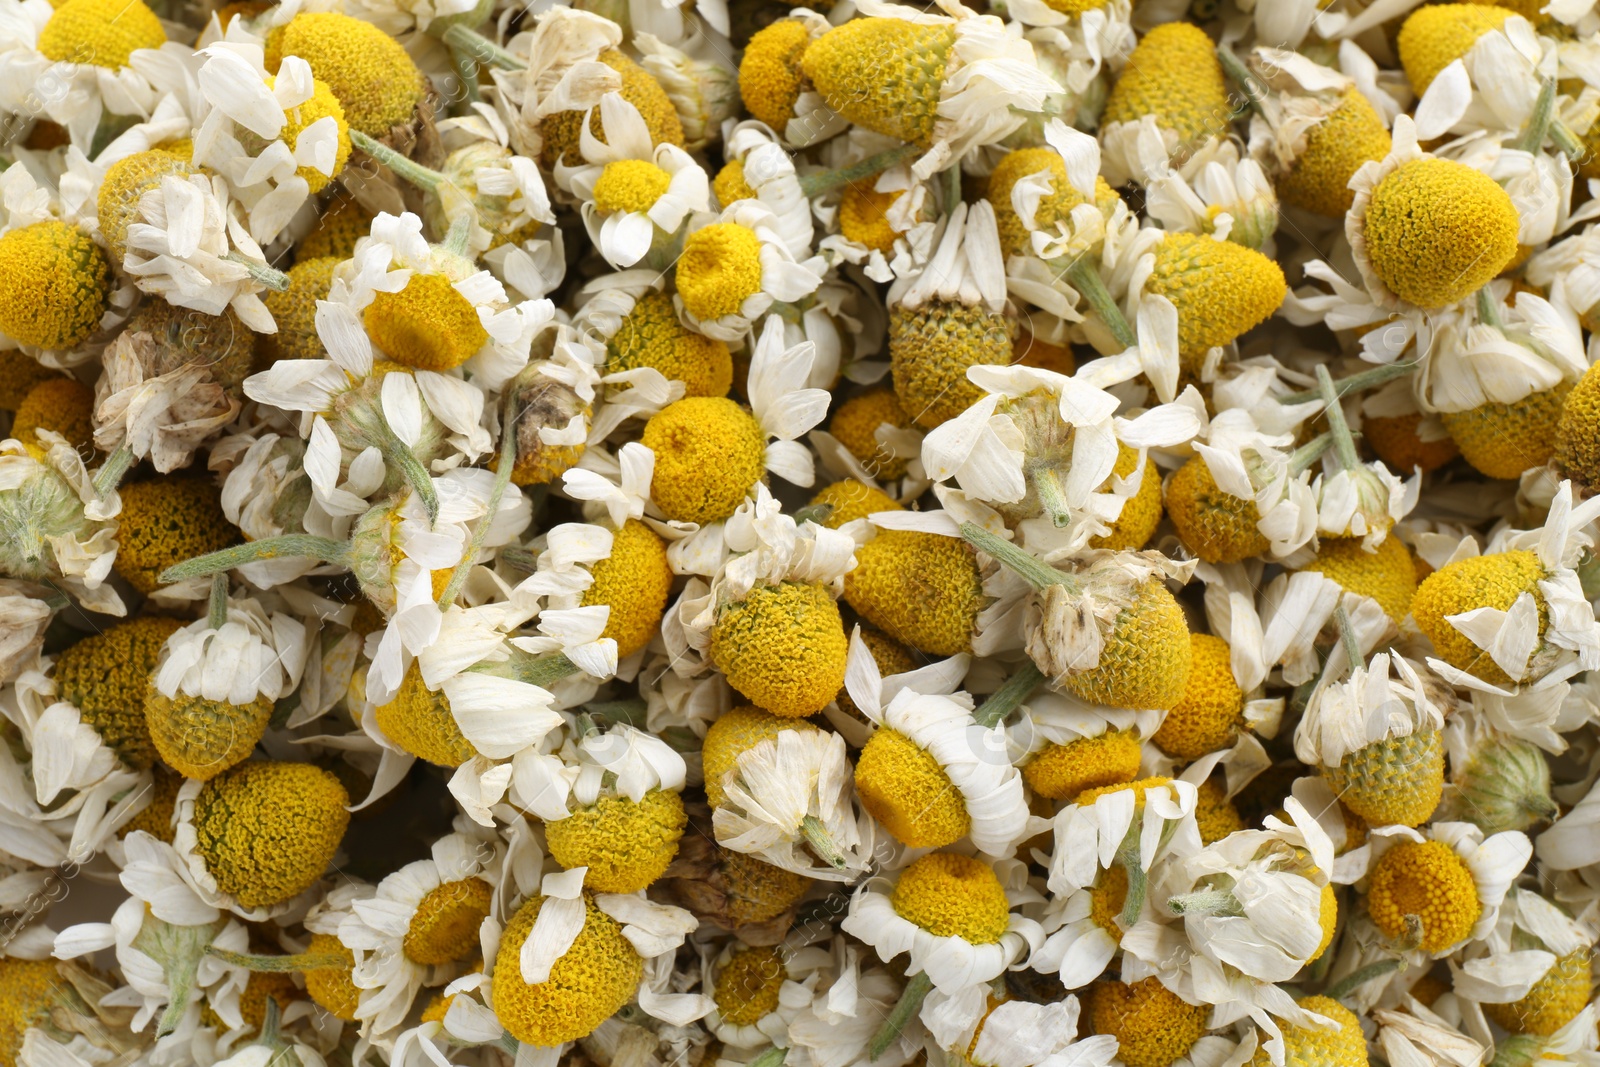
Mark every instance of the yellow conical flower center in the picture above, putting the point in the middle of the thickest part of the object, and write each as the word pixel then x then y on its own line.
pixel 420 722
pixel 922 587
pixel 1335 149
pixel 906 790
pixel 1210 714
pixel 719 270
pixel 864 215
pixel 1554 1000
pixel 953 896
pixel 1437 35
pixel 1216 526
pixel 1426 879
pixel 885 74
pixel 1152 1025
pixel 375 80
pixel 598 974
pixel 267 830
pixel 748 986
pixel 729 185
pixel 755 891
pixel 54 285
pixel 1141 513
pixel 735 733
pixel 1395 781
pixel 1438 230
pixel 1137 788
pixel 445 926
pixel 710 453
pixel 428 324
pixel 1312 1046
pixel 1220 289
pixel 1061 772
pixel 783 647
pixel 1145 660
pixel 1173 74
pixel 201 738
pixel 100 33
pixel 331 987
pixel 625 846
pixel 1494 581
pixel 931 348
pixel 856 424
pixel 1385 574
pixel 1578 436
pixel 630 185
pixel 1214 813
pixel 634 581
pixel 652 336
pixel 770 79
pixel 1107 898
pixel 1503 440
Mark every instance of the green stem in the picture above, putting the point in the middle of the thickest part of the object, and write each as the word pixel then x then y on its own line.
pixel 536 670
pixel 111 471
pixel 952 187
pixel 1236 69
pixel 1360 380
pixel 289 546
pixel 1052 498
pixel 918 986
pixel 1570 144
pixel 301 961
pixel 1138 883
pixel 1344 443
pixel 1486 309
pixel 821 842
pixel 520 558
pixel 425 178
pixel 1309 453
pixel 1356 979
pixel 817 513
pixel 829 180
pixel 482 49
pixel 399 453
pixel 1084 274
pixel 1036 573
pixel 263 275
pixel 773 1057
pixel 217 607
pixel 1544 110
pixel 502 478
pixel 466 69
pixel 455 242
pixel 1004 701
pixel 1347 636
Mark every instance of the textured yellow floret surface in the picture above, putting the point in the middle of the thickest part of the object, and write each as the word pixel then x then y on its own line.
pixel 1385 574
pixel 419 720
pixel 1396 441
pixel 332 987
pixel 1395 781
pixel 748 985
pixel 1024 163
pixel 1173 74
pixel 31 989
pixel 885 74
pixel 1062 771
pixel 166 522
pixel 201 738
pixel 729 185
pixel 156 817
pixel 1578 436
pixel 1437 35
pixel 1107 899
pixel 756 890
pixel 295 310
pixel 626 846
pixel 1438 230
pixel 106 676
pixel 1554 1000
pixel 922 588
pixel 652 336
pixel 1352 135
pixel 1152 1025
pixel 1503 440
pixel 1426 879
pixel 1493 581
pixel 267 831
pixel 444 927
pixel 864 215
pixel 850 500
pixel 719 270
pixel 1214 813
pixel 950 895
pixel 428 324
pixel 55 284
pixel 906 790
pixel 770 78
pixel 629 185
pixel 736 732
pixel 100 33
pixel 1211 712
pixel 783 647
pixel 561 130
pixel 323 104
pixel 599 973
pixel 1137 788
pixel 856 422
pixel 19 374
pixel 634 581
pixel 1312 1046
pixel 930 349
pixel 1142 512
pixel 340 227
pixel 60 405
pixel 125 182
pixel 710 453
pixel 1216 526
pixel 1145 660
pixel 369 71
pixel 1220 289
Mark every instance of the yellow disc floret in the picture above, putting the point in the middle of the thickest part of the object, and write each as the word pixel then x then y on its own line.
pixel 1152 1025
pixel 719 270
pixel 1437 231
pixel 710 453
pixel 561 131
pixel 31 988
pixel 1312 1046
pixel 100 33
pixel 1386 574
pixel 332 988
pixel 295 311
pixel 1144 662
pixel 630 185
pixel 1214 813
pixel 905 789
pixel 856 424
pixel 783 646
pixel 323 104
pixel 634 581
pixel 1437 35
pixel 105 675
pixel 736 732
pixel 1062 771
pixel 267 830
pixel 849 500
pixel 756 891
pixel 931 348
pixel 1578 436
pixel 166 522
pixel 444 928
pixel 923 588
pixel 428 324
pixel 626 846
pixel 60 405
pixel 155 818
pixel 55 284
pixel 340 227
pixel 1351 136
pixel 598 974
pixel 1173 74
pixel 1396 440
pixel 770 78
pixel 748 985
pixel 1494 581
pixel 1426 879
pixel 1216 526
pixel 1503 440
pixel 1220 289
pixel 885 74
pixel 419 720
pixel 201 738
pixel 1107 899
pixel 1211 712
pixel 1553 1002
pixel 1396 781
pixel 950 895
pixel 864 215
pixel 1141 512
pixel 19 373
pixel 652 336
pixel 1137 788
pixel 126 180
pixel 374 79
pixel 729 185
pixel 1051 209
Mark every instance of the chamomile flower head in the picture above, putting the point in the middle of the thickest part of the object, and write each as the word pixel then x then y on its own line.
pixel 165 522
pixel 1386 573
pixel 1497 781
pixel 1078 746
pixel 865 425
pixel 635 194
pixel 294 310
pixel 1437 35
pixel 1211 712
pixel 759 991
pixel 711 453
pixel 1577 451
pixel 930 772
pixel 952 913
pixel 1316 1045
pixel 1166 106
pixel 554 401
pixel 55 284
pixel 1574 1041
pixel 947 82
pixel 1549 983
pixel 55 524
pixel 1436 889
pixel 1427 232
pixel 376 83
pixel 1032 191
pixel 105 677
pixel 736 267
pixel 259 834
pixel 505 190
pixel 760 168
pixel 639 324
pixel 1153 1026
pixel 1220 290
